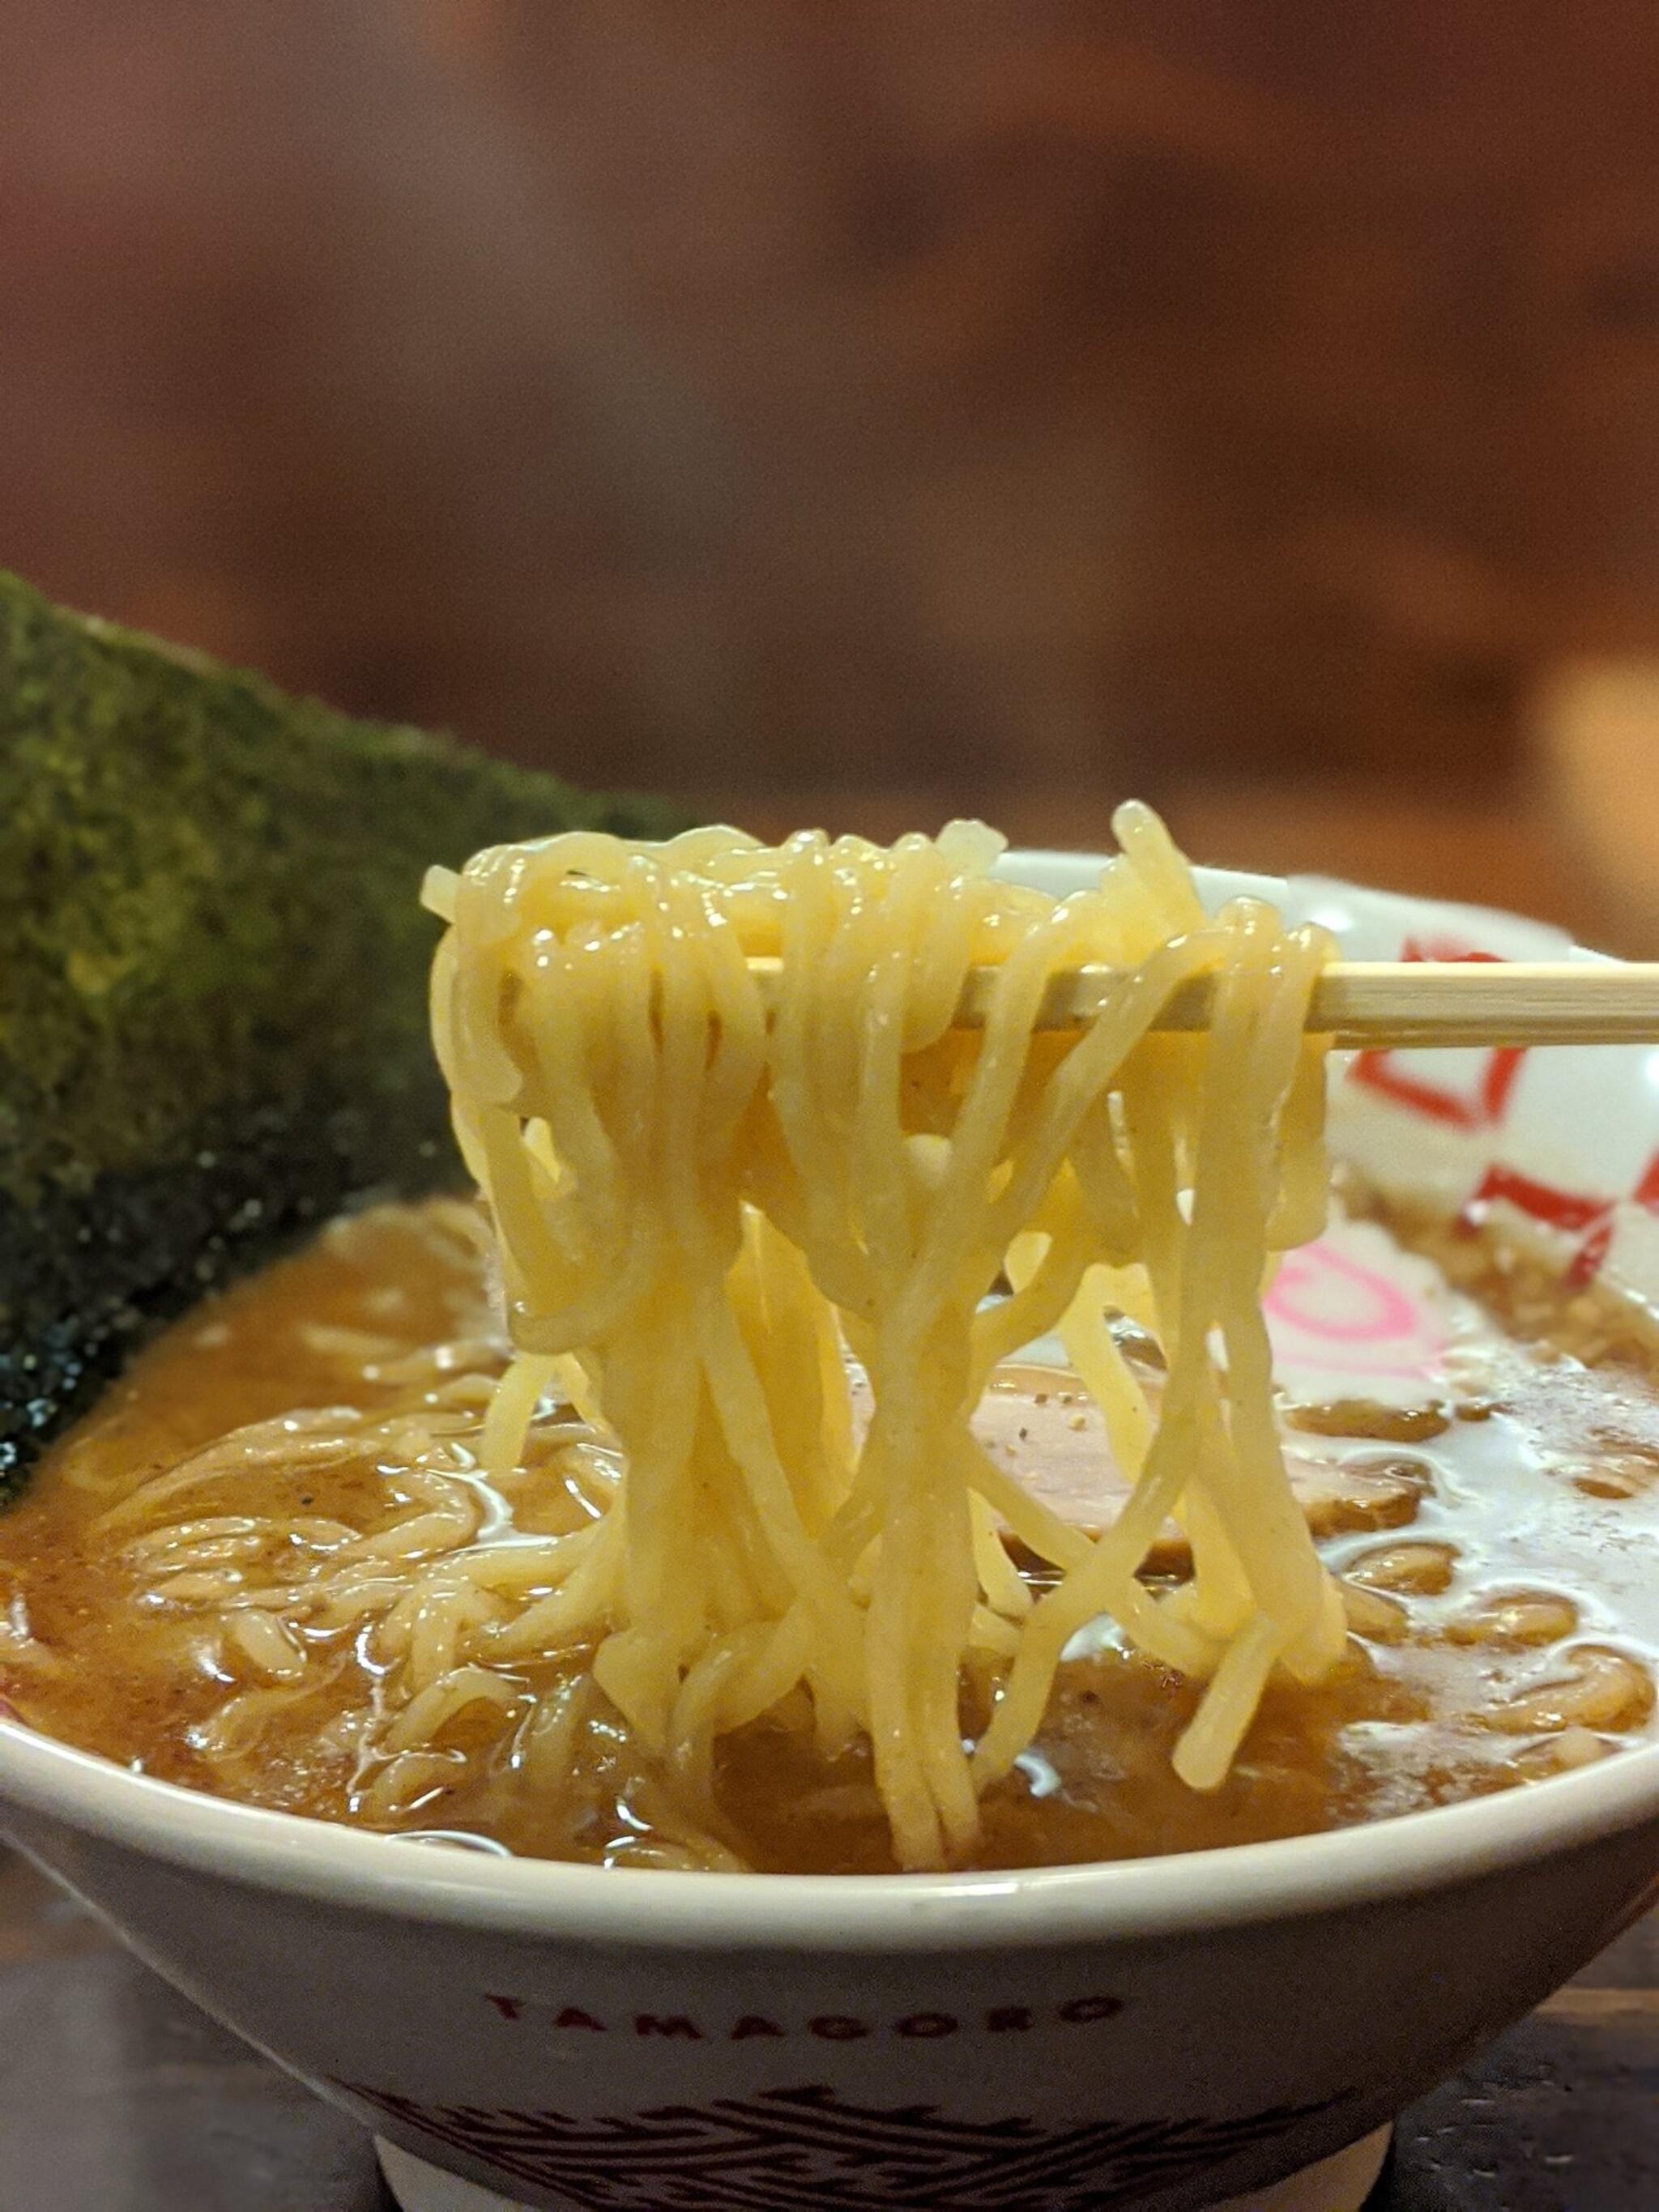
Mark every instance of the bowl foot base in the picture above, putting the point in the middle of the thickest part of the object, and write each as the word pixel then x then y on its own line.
pixel 1340 2183
pixel 1335 2184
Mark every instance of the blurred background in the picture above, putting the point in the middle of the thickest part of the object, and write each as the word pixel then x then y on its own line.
pixel 863 414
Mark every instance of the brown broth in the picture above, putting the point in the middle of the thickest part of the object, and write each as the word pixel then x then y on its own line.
pixel 1497 1548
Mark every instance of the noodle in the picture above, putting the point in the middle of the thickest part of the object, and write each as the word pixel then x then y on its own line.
pixel 706 1194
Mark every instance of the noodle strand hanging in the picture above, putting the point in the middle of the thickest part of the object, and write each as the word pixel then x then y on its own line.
pixel 713 1206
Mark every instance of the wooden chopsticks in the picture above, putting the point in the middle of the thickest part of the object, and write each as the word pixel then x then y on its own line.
pixel 1381 1003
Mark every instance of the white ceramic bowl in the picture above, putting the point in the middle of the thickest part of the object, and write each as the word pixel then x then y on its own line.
pixel 1163 2034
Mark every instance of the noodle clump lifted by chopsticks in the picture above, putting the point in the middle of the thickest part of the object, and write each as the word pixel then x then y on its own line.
pixel 709 1191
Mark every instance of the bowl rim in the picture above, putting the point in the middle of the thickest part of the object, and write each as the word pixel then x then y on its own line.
pixel 1187 1893
pixel 1184 1894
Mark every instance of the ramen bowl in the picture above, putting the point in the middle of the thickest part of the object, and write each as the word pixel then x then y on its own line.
pixel 1229 2028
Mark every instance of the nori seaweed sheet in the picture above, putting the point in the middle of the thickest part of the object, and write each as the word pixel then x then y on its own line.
pixel 212 979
